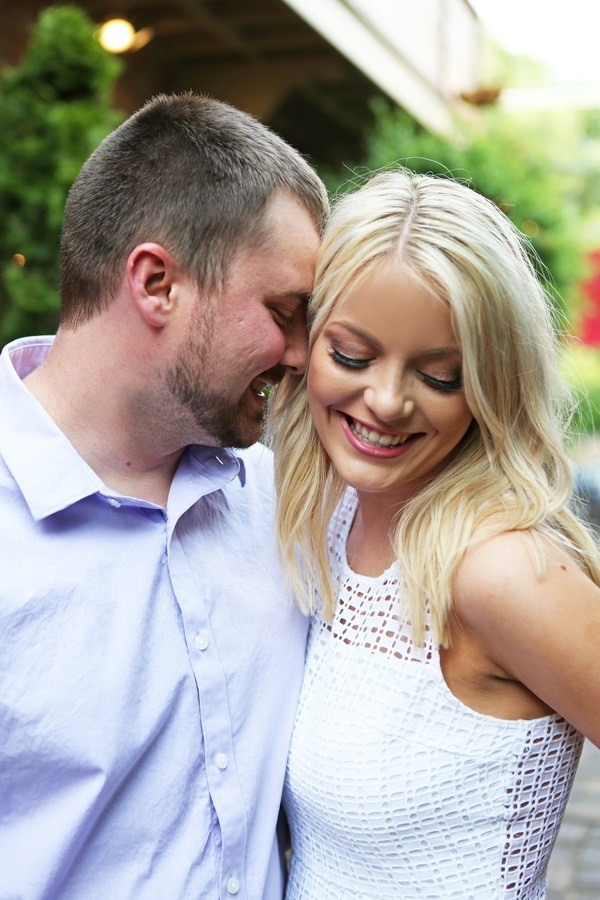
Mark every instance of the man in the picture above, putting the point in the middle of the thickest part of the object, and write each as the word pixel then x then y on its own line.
pixel 150 658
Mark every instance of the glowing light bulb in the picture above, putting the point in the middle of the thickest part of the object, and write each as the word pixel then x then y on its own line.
pixel 117 35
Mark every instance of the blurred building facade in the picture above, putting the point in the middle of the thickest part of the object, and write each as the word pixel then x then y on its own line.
pixel 308 67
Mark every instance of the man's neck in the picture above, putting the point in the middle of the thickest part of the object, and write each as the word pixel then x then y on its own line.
pixel 92 411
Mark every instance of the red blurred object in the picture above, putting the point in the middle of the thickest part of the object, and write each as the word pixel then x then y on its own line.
pixel 589 328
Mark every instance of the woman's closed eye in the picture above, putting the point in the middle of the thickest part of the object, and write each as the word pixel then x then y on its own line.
pixel 442 384
pixel 350 362
pixel 359 362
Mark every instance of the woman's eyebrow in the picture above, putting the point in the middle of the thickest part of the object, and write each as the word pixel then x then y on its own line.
pixel 443 351
pixel 449 350
pixel 363 335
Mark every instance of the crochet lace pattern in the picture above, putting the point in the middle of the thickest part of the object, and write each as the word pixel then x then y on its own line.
pixel 395 788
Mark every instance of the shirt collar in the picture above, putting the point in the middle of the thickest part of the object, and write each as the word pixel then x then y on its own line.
pixel 48 470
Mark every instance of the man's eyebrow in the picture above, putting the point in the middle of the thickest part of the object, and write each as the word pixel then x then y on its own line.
pixel 299 296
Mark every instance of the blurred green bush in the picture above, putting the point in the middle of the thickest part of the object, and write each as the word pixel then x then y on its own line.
pixel 582 369
pixel 55 108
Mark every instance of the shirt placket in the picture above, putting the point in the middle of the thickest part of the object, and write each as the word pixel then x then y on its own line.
pixel 216 724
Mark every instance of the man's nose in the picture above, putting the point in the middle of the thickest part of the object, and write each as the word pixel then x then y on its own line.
pixel 295 355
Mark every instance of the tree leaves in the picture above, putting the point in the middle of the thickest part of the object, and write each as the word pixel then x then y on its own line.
pixel 54 111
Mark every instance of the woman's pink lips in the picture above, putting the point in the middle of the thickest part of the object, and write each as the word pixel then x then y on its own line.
pixel 373 449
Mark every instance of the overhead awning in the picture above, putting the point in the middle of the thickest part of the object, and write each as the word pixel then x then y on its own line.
pixel 422 55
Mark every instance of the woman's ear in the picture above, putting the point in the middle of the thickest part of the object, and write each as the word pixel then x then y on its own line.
pixel 151 276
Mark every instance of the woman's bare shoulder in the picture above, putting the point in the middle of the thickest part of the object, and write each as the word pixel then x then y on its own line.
pixel 536 615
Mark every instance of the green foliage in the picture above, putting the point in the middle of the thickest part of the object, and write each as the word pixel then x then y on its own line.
pixel 54 111
pixel 582 370
pixel 502 67
pixel 508 162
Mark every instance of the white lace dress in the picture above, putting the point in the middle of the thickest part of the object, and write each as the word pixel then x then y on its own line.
pixel 396 789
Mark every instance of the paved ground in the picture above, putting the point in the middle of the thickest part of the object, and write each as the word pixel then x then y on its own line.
pixel 586 461
pixel 574 871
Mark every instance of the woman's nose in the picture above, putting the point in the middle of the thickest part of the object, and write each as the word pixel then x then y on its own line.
pixel 390 402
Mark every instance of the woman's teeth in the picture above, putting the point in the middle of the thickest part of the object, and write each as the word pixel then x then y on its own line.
pixel 376 437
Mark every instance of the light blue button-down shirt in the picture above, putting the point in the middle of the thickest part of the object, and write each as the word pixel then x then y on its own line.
pixel 150 663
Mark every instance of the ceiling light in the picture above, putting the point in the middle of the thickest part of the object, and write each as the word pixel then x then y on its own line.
pixel 117 35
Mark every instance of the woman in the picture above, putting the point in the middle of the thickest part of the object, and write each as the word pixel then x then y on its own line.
pixel 452 667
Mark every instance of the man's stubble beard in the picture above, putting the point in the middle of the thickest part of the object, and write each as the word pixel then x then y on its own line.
pixel 218 420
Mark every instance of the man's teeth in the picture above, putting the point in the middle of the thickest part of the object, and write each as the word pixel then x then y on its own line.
pixel 261 388
pixel 376 437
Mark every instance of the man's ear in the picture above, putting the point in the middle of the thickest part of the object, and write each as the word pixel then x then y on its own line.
pixel 151 277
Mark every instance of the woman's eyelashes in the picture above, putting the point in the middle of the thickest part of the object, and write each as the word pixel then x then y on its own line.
pixel 356 362
pixel 441 384
pixel 351 362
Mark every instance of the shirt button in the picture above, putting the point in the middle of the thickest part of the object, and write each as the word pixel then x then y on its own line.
pixel 222 762
pixel 201 642
pixel 114 502
pixel 233 885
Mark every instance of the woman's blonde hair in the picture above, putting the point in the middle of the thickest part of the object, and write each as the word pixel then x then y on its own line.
pixel 510 471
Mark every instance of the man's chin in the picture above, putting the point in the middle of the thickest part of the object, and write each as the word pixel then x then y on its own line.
pixel 246 437
pixel 242 432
